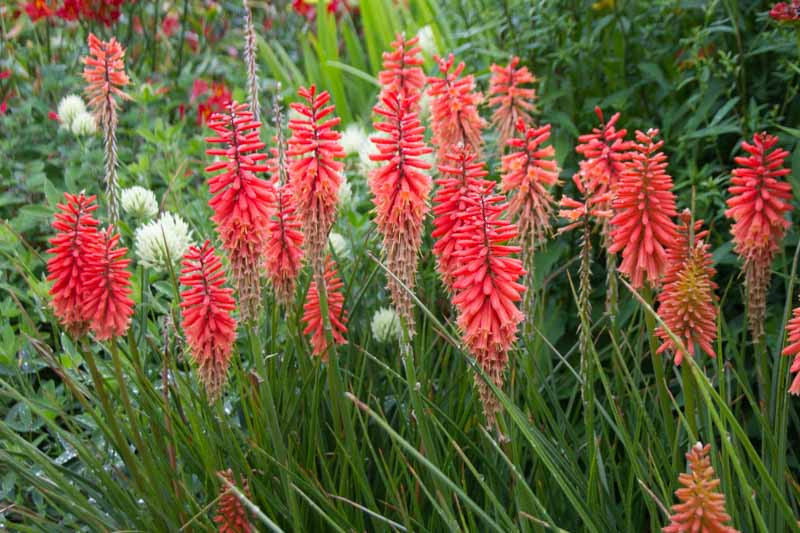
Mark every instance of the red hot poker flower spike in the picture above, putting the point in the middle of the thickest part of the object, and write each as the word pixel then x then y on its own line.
pixel 793 349
pixel 460 172
pixel 454 108
pixel 487 291
pixel 643 209
pixel 242 202
pixel 528 172
pixel 231 515
pixel 402 74
pixel 758 204
pixel 592 206
pixel 107 287
pixel 76 233
pixel 687 301
pixel 284 255
pixel 702 506
pixel 511 101
pixel 207 310
pixel 312 312
pixel 315 174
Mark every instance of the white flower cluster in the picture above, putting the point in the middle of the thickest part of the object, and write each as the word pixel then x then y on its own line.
pixel 339 246
pixel 386 325
pixel 139 203
pixel 163 241
pixel 426 41
pixel 73 116
pixel 345 194
pixel 352 138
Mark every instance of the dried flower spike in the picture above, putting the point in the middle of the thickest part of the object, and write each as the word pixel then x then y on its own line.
pixel 642 227
pixel 250 58
pixel 758 204
pixel 76 232
pixel 687 300
pixel 793 349
pixel 314 172
pixel 231 514
pixel 104 72
pixel 337 316
pixel 511 101
pixel 400 187
pixel 242 202
pixel 702 507
pixel 207 310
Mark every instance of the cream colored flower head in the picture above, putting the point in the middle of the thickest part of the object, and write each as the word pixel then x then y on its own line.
pixel 139 203
pixel 352 138
pixel 68 108
pixel 345 194
pixel 426 41
pixel 386 325
pixel 83 124
pixel 339 246
pixel 161 242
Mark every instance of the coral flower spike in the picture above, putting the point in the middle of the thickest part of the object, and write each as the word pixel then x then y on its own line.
pixel 242 202
pixel 107 287
pixel 400 187
pixel 793 349
pixel 487 288
pixel 314 172
pixel 207 307
pixel 702 507
pixel 76 233
pixel 402 74
pixel 642 227
pixel 687 301
pixel 231 514
pixel 511 101
pixel 312 312
pixel 758 204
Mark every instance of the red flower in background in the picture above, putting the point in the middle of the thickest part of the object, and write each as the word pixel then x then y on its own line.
pixel 786 11
pixel 312 312
pixel 170 24
pixel 210 100
pixel 37 9
pixel 511 101
pixel 207 310
pixel 76 232
pixel 106 12
pixel 107 287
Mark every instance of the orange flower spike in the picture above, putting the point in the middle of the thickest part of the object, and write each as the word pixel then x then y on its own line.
pixel 314 172
pixel 104 72
pixel 605 151
pixel 454 108
pixel 642 227
pixel 76 233
pixel 401 186
pixel 793 349
pixel 231 516
pixel 702 507
pixel 207 309
pixel 592 206
pixel 107 287
pixel 402 73
pixel 511 101
pixel 687 300
pixel 758 204
pixel 527 173
pixel 312 313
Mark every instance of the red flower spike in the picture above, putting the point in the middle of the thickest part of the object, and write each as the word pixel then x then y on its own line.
pixel 486 287
pixel 454 108
pixel 592 206
pixel 242 202
pixel 758 204
pixel 231 514
pixel 642 227
pixel 511 101
pixel 400 187
pixel 315 174
pixel 527 172
pixel 284 254
pixel 460 173
pixel 76 233
pixel 702 506
pixel 104 72
pixel 402 74
pixel 793 349
pixel 312 313
pixel 687 301
pixel 207 311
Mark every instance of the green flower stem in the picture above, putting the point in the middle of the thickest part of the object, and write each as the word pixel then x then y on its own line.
pixel 658 368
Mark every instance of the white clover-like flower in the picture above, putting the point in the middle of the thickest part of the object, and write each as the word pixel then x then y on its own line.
pixel 68 108
pixel 83 124
pixel 340 246
pixel 366 164
pixel 353 137
pixel 139 202
pixel 386 325
pixel 426 41
pixel 345 194
pixel 162 241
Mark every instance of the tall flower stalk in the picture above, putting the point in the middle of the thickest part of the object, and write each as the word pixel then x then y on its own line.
pixel 242 202
pixel 400 186
pixel 104 72
pixel 758 203
pixel 511 101
pixel 250 58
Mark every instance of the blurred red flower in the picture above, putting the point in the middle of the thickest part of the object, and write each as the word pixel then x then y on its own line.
pixel 38 9
pixel 786 11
